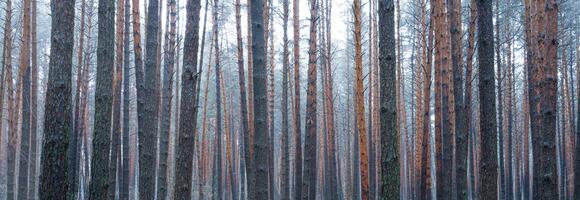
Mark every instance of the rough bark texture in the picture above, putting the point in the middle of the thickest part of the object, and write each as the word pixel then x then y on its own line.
pixel 390 180
pixel 189 108
pixel 488 170
pixel 260 101
pixel 56 174
pixel 285 155
pixel 103 101
pixel 33 105
pixel 310 162
pixel 297 187
pixel 543 96
pixel 148 119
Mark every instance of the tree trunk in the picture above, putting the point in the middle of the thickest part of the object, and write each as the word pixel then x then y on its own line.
pixel 218 127
pixel 33 105
pixel 467 108
pixel 390 179
pixel 259 76
pixel 310 163
pixel 117 86
pixel 148 118
pixel 577 147
pixel 189 105
pixel 124 178
pixel 460 147
pixel 297 188
pixel 23 101
pixel 488 170
pixel 544 83
pixel 103 101
pixel 329 97
pixel 284 140
pixel 54 182
pixel 166 101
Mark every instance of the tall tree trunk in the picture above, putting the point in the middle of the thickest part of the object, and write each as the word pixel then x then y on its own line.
pixel 33 104
pixel 467 107
pixel 577 147
pixel 189 105
pixel 124 178
pixel 103 101
pixel 329 97
pixel 297 188
pixel 460 147
pixel 115 154
pixel 54 182
pixel 390 179
pixel 488 170
pixel 23 101
pixel 166 101
pixel 218 132
pixel 203 169
pixel 544 84
pixel 6 61
pixel 271 128
pixel 500 108
pixel 260 126
pixel 310 163
pixel 284 140
pixel 81 71
pixel 148 119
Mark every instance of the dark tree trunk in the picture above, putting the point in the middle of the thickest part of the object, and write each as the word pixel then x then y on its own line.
pixel 488 171
pixel 56 164
pixel 124 178
pixel 148 118
pixel 310 162
pixel 218 128
pixel 103 101
pixel 33 105
pixel 259 75
pixel 390 182
pixel 285 155
pixel 189 107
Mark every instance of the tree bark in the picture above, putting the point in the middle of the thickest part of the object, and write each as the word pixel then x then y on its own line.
pixel 390 179
pixel 23 101
pixel 310 163
pixel 488 170
pixel 148 119
pixel 285 155
pixel 218 127
pixel 124 179
pixel 460 148
pixel 103 101
pixel 544 83
pixel 189 105
pixel 56 165
pixel 259 76
pixel 297 188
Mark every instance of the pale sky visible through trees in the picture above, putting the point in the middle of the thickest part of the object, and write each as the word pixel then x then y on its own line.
pixel 394 99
